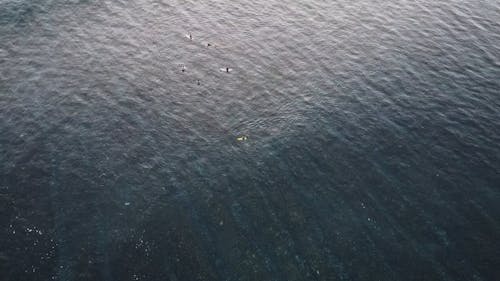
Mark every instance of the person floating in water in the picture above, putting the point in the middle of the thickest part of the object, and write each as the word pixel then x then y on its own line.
pixel 198 82
pixel 190 36
pixel 208 44
pixel 183 68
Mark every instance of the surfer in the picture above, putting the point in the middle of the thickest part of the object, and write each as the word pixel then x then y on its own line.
pixel 190 36
pixel 198 82
pixel 227 69
pixel 183 68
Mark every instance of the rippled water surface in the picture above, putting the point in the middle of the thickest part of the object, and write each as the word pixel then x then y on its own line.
pixel 351 140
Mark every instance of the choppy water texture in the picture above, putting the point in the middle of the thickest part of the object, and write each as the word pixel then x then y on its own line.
pixel 373 148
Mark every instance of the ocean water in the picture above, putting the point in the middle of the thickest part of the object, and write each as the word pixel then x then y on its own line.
pixel 372 147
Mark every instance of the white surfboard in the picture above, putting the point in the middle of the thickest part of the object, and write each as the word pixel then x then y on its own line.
pixel 224 69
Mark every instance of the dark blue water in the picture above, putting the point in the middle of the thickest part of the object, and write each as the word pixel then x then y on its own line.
pixel 351 140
